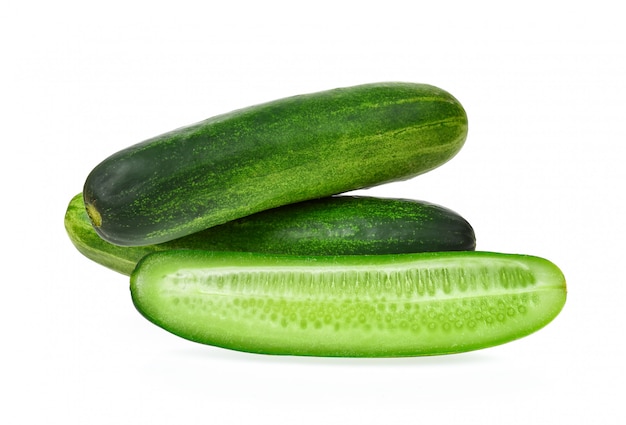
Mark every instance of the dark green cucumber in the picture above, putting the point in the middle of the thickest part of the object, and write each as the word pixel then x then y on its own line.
pixel 353 306
pixel 261 157
pixel 338 225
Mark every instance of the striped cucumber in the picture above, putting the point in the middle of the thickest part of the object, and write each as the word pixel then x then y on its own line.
pixel 277 153
pixel 349 306
pixel 338 225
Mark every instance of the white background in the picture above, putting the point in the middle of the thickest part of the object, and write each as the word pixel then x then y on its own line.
pixel 541 173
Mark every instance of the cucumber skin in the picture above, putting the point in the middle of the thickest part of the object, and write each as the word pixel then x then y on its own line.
pixel 339 318
pixel 261 157
pixel 339 225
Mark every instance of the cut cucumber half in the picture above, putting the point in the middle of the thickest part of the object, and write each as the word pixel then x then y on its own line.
pixel 348 306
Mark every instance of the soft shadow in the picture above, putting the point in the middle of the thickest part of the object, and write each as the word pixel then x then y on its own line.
pixel 209 353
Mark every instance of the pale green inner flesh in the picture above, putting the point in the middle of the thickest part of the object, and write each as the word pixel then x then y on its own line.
pixel 359 310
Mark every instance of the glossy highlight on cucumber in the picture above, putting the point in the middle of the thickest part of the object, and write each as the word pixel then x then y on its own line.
pixel 265 156
pixel 337 225
pixel 348 306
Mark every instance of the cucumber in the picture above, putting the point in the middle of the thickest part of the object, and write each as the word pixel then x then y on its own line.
pixel 338 225
pixel 348 306
pixel 277 153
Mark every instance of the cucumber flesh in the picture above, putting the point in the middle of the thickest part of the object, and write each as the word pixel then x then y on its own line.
pixel 348 306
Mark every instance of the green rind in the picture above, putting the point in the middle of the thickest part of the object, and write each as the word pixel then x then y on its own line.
pixel 348 306
pixel 85 239
pixel 338 225
pixel 281 152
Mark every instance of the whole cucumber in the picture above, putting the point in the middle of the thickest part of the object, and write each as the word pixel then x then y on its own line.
pixel 273 154
pixel 337 225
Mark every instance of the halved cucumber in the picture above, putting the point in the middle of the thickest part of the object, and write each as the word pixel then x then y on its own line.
pixel 353 306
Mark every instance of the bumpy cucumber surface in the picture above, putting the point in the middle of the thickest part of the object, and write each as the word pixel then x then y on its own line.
pixel 337 225
pixel 352 306
pixel 261 157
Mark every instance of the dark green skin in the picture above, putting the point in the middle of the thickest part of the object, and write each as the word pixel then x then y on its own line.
pixel 347 225
pixel 338 225
pixel 281 152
